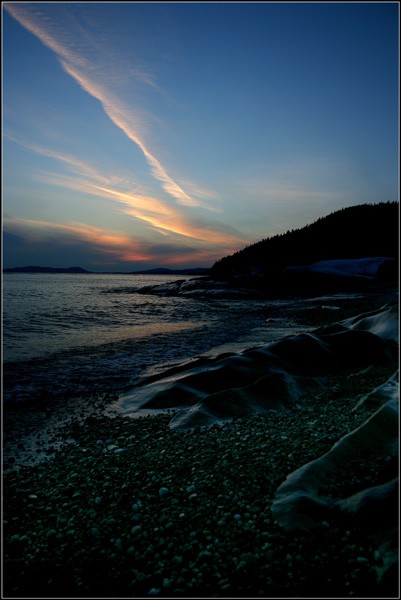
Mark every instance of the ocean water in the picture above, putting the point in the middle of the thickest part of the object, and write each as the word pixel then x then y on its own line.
pixel 71 334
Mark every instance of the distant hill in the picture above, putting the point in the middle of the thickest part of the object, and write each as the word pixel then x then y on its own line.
pixel 164 271
pixel 36 269
pixel 365 230
pixel 157 271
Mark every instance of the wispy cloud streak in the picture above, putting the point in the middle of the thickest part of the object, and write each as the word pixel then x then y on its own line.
pixel 87 75
pixel 81 167
pixel 27 16
pixel 170 220
pixel 121 117
pixel 163 217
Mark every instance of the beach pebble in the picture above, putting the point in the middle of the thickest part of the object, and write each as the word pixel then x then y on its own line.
pixel 136 529
pixel 118 544
pixel 166 583
pixel 163 492
pixel 154 592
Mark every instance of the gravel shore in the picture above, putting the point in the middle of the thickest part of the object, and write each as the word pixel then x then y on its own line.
pixel 130 508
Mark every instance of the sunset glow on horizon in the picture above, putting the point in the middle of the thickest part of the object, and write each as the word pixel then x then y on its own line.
pixel 138 135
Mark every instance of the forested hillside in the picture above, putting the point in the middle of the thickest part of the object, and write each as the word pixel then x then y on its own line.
pixel 358 231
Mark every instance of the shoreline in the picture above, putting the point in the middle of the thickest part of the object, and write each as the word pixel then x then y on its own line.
pixel 33 424
pixel 128 507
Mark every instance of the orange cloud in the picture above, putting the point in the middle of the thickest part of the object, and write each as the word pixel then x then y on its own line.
pixel 170 220
pixel 115 243
pixel 162 218
pixel 109 245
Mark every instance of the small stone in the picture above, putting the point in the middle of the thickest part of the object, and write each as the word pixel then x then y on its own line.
pixel 154 592
pixel 136 529
pixel 118 544
pixel 163 491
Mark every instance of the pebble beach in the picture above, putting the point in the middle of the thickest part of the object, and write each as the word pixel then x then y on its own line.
pixel 123 507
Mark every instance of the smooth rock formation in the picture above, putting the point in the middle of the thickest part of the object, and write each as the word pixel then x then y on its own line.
pixel 269 377
pixel 377 437
pixel 303 500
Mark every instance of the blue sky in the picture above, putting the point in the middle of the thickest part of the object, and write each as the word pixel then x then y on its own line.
pixel 148 134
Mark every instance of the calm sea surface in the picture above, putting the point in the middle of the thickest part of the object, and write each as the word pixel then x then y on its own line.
pixel 67 334
pixel 45 314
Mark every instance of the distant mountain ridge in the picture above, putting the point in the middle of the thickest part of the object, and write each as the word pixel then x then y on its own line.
pixel 37 269
pixel 165 271
pixel 156 271
pixel 365 230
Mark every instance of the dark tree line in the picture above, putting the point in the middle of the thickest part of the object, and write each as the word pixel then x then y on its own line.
pixel 364 230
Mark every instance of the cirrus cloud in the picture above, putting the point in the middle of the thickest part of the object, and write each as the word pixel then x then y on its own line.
pixel 98 80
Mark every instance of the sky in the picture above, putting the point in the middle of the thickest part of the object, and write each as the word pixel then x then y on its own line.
pixel 140 135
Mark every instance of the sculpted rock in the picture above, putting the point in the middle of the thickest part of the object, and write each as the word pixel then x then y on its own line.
pixel 377 437
pixel 301 501
pixel 200 288
pixel 271 377
pixel 381 394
